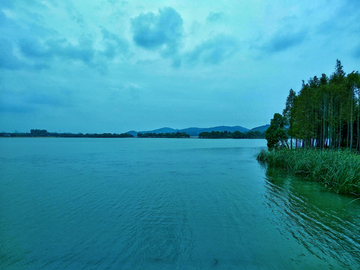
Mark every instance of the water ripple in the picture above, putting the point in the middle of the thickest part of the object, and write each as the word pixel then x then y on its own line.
pixel 163 204
pixel 313 220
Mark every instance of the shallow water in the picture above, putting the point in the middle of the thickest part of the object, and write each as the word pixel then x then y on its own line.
pixel 71 203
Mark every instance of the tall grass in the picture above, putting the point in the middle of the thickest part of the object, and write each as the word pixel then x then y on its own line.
pixel 338 169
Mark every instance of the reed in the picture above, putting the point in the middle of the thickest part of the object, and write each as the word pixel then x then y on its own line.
pixel 337 169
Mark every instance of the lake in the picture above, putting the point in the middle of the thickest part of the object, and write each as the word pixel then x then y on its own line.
pixel 71 203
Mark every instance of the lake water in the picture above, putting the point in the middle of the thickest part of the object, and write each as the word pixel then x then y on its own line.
pixel 165 204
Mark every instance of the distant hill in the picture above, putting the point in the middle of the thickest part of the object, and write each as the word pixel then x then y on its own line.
pixel 193 131
pixel 162 130
pixel 132 132
pixel 197 131
pixel 261 128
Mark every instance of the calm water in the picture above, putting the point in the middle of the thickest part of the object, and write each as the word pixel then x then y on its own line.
pixel 165 204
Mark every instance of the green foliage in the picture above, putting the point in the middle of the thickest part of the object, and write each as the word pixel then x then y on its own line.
pixel 276 134
pixel 44 133
pixel 288 113
pixel 38 132
pixel 338 170
pixel 232 135
pixel 325 113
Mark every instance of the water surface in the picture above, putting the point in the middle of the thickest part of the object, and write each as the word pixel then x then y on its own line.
pixel 71 203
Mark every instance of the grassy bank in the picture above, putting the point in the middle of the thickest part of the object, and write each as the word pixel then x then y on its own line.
pixel 339 170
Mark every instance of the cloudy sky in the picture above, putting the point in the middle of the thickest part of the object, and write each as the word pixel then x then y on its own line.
pixel 114 66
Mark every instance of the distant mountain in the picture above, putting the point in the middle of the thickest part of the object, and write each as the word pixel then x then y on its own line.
pixel 162 130
pixel 197 131
pixel 261 128
pixel 193 131
pixel 132 132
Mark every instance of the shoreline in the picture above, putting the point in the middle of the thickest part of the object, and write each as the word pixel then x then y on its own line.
pixel 337 170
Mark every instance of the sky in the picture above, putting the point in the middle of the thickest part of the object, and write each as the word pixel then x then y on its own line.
pixel 114 66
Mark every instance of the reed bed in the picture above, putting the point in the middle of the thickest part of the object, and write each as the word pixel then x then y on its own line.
pixel 337 169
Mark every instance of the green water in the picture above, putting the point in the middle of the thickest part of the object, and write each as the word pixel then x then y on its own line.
pixel 327 224
pixel 165 204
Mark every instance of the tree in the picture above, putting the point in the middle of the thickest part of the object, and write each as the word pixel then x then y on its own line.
pixel 38 132
pixel 276 134
pixel 353 82
pixel 325 113
pixel 288 113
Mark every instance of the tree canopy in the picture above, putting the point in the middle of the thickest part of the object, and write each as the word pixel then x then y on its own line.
pixel 325 113
pixel 232 135
pixel 45 133
pixel 276 134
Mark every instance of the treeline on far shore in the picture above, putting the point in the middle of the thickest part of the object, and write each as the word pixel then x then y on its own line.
pixel 163 135
pixel 45 133
pixel 232 135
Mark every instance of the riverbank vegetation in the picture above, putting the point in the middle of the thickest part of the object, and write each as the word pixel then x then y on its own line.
pixel 232 135
pixel 337 169
pixel 318 133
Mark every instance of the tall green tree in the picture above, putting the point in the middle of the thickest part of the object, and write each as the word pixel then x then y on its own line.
pixel 325 112
pixel 276 134
pixel 353 84
pixel 288 114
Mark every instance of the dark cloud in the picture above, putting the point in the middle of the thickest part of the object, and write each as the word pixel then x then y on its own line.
pixel 43 51
pixel 61 48
pixel 33 49
pixel 213 51
pixel 283 41
pixel 215 16
pixel 114 45
pixel 83 51
pixel 7 58
pixel 158 32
